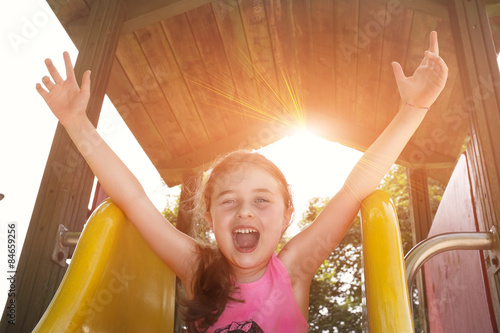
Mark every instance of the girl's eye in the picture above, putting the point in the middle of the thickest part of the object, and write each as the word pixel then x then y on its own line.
pixel 261 200
pixel 228 201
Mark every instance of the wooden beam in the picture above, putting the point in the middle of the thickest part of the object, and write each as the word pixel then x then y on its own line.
pixel 361 138
pixel 260 135
pixel 481 79
pixel 142 13
pixel 419 203
pixel 422 220
pixel 255 137
pixel 187 204
pixel 64 193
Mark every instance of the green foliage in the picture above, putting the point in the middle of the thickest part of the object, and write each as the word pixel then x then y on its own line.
pixel 335 294
pixel 395 184
pixel 171 210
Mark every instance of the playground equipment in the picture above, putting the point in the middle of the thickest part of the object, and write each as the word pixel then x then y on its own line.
pixel 114 283
pixel 387 300
pixel 141 53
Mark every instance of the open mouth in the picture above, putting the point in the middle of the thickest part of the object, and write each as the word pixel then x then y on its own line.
pixel 245 239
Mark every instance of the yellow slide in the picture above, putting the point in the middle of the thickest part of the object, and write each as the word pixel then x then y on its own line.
pixel 387 299
pixel 115 283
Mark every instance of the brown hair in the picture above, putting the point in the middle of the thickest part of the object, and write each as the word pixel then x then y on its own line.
pixel 212 284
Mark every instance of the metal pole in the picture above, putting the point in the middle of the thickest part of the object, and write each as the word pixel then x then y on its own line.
pixel 428 248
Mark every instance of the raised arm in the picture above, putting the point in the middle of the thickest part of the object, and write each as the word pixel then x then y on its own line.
pixel 418 92
pixel 68 103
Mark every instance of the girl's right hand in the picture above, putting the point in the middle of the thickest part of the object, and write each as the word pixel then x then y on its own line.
pixel 66 100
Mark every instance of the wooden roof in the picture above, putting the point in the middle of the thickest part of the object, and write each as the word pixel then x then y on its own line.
pixel 196 78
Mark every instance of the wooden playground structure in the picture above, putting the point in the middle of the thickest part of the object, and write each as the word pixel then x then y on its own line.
pixel 194 79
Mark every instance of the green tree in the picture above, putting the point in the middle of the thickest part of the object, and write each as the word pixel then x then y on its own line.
pixel 335 294
pixel 171 210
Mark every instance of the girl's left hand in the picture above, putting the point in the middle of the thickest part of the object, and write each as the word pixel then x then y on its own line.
pixel 425 85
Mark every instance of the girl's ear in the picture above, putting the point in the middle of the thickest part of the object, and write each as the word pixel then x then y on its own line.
pixel 208 218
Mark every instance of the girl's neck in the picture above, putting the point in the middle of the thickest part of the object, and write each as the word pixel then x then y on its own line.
pixel 247 275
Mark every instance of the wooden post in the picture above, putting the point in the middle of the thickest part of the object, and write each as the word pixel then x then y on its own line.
pixel 422 220
pixel 185 219
pixel 190 186
pixel 419 203
pixel 64 193
pixel 481 81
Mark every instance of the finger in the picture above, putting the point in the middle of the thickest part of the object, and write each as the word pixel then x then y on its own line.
pixel 425 60
pixel 53 71
pixel 70 72
pixel 398 71
pixel 433 41
pixel 86 82
pixel 441 68
pixel 49 84
pixel 41 91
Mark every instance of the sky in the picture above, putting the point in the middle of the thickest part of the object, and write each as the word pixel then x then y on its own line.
pixel 30 33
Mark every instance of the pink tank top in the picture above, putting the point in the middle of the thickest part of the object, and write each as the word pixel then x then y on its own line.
pixel 269 307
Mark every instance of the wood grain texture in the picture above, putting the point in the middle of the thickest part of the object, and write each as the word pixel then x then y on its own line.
pixel 457 296
pixel 207 71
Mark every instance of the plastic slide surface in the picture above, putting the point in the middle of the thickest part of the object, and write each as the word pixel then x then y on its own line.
pixel 115 283
pixel 387 299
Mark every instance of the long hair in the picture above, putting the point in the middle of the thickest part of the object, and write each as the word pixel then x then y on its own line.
pixel 212 285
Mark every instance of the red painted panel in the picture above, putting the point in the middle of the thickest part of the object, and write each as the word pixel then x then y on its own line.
pixel 456 292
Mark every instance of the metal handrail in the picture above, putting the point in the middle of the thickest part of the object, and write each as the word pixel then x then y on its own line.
pixel 432 246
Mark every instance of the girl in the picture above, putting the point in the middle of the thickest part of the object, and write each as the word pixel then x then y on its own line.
pixel 242 285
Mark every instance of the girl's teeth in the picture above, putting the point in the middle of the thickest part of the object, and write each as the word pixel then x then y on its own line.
pixel 245 231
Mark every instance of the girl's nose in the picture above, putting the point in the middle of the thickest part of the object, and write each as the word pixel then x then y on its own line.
pixel 245 211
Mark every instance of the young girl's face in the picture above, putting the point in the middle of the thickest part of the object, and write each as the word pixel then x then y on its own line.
pixel 248 216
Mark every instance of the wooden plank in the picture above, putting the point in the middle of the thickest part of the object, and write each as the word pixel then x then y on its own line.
pixel 68 12
pixel 67 182
pixel 142 77
pixel 433 130
pixel 480 75
pixel 255 137
pixel 420 204
pixel 420 212
pixel 254 18
pixel 185 50
pixel 370 40
pixel 143 13
pixel 246 95
pixel 131 109
pixel 289 108
pixel 187 211
pixel 419 42
pixel 208 39
pixel 171 81
pixel 456 289
pixel 397 22
pixel 302 21
pixel 346 58
pixel 323 97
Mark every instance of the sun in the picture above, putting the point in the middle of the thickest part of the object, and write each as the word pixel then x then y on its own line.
pixel 313 166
